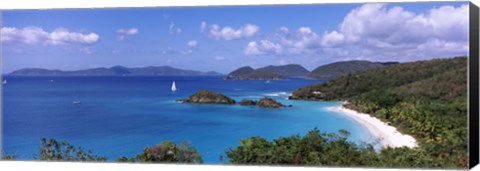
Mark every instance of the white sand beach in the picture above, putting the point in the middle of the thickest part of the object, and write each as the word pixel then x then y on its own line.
pixel 388 135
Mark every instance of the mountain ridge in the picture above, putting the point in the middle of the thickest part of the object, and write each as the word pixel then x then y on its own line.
pixel 116 70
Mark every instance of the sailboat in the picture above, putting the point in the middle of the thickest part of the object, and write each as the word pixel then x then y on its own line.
pixel 174 88
pixel 4 81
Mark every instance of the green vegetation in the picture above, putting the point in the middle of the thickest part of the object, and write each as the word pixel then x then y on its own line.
pixel 246 102
pixel 324 149
pixel 239 72
pixel 290 70
pixel 426 99
pixel 167 152
pixel 269 103
pixel 52 150
pixel 338 69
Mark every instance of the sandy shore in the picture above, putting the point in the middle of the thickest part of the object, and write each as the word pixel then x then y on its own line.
pixel 387 135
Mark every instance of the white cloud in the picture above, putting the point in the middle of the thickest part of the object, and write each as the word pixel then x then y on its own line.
pixel 228 33
pixel 331 39
pixel 203 25
pixel 192 43
pixel 131 31
pixel 36 35
pixel 262 47
pixel 172 28
pixel 302 41
pixel 375 30
pixel 122 33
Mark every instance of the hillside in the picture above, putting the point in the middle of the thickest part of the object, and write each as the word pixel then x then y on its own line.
pixel 270 72
pixel 290 70
pixel 239 72
pixel 338 69
pixel 427 99
pixel 115 71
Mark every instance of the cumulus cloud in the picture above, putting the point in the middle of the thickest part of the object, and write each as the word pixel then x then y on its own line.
pixel 122 33
pixel 302 41
pixel 377 30
pixel 228 33
pixel 192 43
pixel 262 47
pixel 36 35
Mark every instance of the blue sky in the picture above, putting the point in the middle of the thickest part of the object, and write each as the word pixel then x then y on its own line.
pixel 225 38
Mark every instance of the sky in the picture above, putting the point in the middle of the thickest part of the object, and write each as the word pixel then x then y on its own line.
pixel 225 38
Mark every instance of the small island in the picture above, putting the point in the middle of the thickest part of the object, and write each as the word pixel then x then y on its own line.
pixel 207 97
pixel 263 103
pixel 210 97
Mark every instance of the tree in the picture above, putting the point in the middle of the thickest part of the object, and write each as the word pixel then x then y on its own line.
pixel 52 150
pixel 168 152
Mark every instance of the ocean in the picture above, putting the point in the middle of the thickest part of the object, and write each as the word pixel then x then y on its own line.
pixel 120 116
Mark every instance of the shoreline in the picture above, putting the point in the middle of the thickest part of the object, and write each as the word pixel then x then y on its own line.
pixel 387 135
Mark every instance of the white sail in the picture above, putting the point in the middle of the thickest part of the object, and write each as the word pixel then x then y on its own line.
pixel 174 88
pixel 4 81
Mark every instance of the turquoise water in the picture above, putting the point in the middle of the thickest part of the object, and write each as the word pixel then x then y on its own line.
pixel 119 116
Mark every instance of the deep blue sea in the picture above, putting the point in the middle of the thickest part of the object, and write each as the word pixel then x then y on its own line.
pixel 119 116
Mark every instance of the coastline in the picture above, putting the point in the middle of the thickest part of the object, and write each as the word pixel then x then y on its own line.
pixel 388 135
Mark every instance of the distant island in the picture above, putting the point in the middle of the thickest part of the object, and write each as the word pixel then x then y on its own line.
pixel 115 71
pixel 324 72
pixel 270 72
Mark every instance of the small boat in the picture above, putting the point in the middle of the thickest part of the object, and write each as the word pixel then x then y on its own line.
pixel 268 81
pixel 77 101
pixel 51 81
pixel 174 88
pixel 4 81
